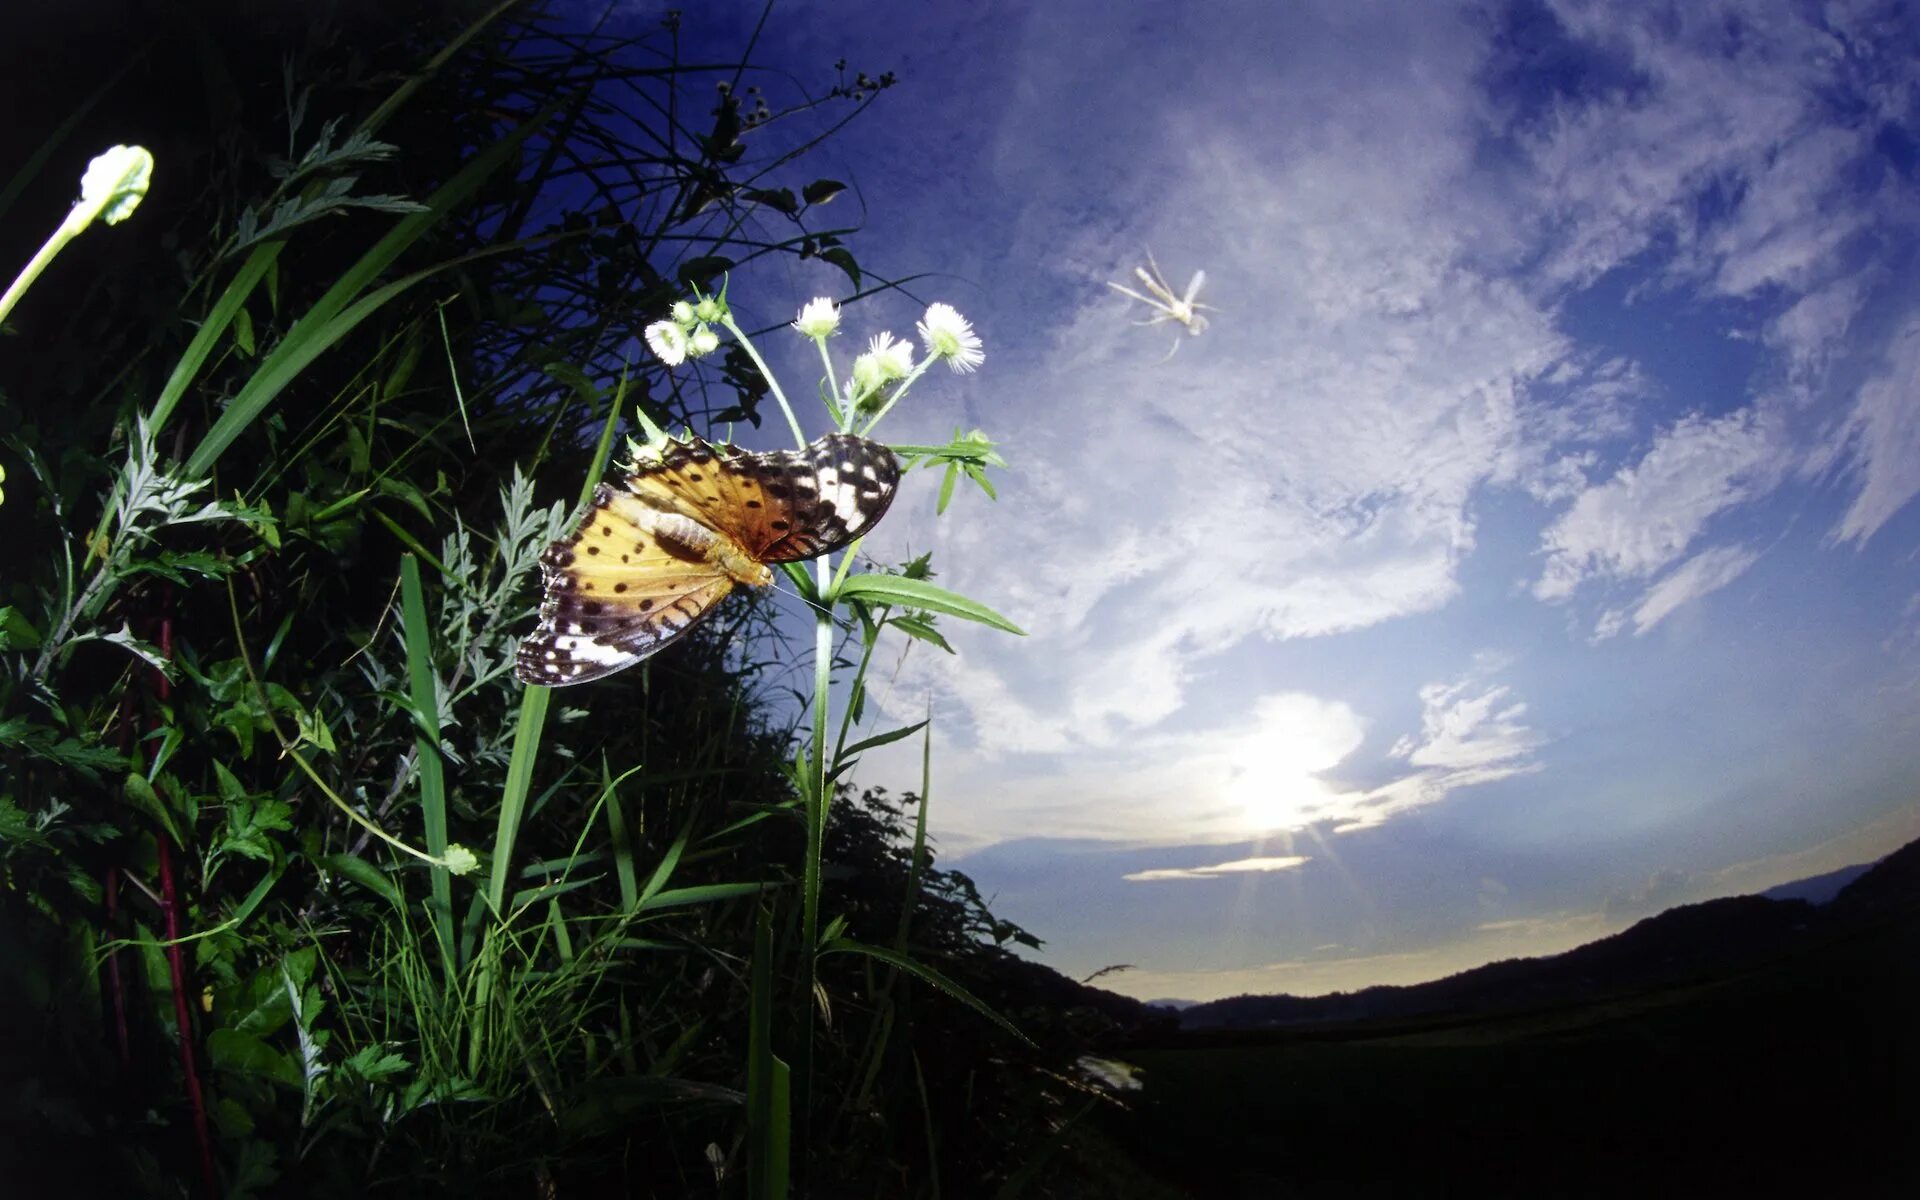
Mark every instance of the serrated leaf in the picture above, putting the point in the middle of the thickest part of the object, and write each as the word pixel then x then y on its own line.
pixel 16 632
pixel 17 827
pixel 232 1050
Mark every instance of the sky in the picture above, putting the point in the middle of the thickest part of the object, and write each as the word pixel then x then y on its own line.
pixel 1528 544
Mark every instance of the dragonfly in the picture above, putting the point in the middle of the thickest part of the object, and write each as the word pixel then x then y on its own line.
pixel 1168 305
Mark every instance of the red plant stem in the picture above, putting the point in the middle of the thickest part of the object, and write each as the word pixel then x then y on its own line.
pixel 183 1017
pixel 176 959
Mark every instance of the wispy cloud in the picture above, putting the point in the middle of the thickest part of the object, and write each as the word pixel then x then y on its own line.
pixel 1650 512
pixel 1705 572
pixel 1239 866
pixel 1471 732
pixel 1885 426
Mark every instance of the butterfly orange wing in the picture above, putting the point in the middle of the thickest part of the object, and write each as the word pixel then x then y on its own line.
pixel 645 563
pixel 778 506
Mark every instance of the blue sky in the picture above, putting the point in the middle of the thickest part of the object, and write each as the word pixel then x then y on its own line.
pixel 1526 547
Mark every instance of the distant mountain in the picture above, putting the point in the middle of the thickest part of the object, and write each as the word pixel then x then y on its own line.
pixel 1166 1002
pixel 1818 889
pixel 1694 941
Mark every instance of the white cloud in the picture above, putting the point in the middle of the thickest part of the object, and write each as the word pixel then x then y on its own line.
pixel 1308 467
pixel 1471 733
pixel 1392 255
pixel 1261 777
pixel 1239 866
pixel 1238 780
pixel 1649 513
pixel 1725 141
pixel 1467 726
pixel 1707 571
pixel 1885 426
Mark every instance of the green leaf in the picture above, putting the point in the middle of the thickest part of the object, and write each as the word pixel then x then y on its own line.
pixel 921 971
pixel 364 873
pixel 917 593
pixel 914 627
pixel 17 827
pixel 882 739
pixel 701 894
pixel 844 260
pixel 16 632
pixel 243 332
pixel 822 190
pixel 243 1053
pixel 141 795
pixel 250 821
pixel 336 313
pixel 779 199
pixel 402 490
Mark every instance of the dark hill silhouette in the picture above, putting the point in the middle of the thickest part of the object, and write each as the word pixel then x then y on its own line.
pixel 1741 1047
pixel 1818 889
pixel 1712 939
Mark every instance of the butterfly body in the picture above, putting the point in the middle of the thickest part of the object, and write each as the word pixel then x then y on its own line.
pixel 652 557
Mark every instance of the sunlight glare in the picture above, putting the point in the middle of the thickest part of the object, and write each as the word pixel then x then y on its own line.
pixel 1273 774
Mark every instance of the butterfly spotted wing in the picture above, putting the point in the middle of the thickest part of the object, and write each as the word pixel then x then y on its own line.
pixel 653 556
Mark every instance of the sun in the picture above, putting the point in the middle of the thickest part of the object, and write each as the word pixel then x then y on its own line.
pixel 1273 772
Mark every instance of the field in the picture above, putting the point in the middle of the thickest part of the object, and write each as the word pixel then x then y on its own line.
pixel 1799 1078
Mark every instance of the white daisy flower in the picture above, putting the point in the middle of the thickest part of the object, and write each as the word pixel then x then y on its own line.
pixel 668 342
pixel 948 335
pixel 818 318
pixel 895 358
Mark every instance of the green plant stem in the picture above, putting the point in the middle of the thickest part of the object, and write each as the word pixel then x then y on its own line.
pixel 69 229
pixel 842 412
pixel 58 637
pixel 816 832
pixel 766 373
pixel 898 393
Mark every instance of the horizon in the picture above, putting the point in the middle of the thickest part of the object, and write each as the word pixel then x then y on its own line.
pixel 1525 547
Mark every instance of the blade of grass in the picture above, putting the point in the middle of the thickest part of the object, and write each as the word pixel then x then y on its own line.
pixel 426 740
pixel 768 1145
pixel 513 799
pixel 331 316
pixel 920 970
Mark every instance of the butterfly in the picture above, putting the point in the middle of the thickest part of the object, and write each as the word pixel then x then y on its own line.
pixel 653 556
